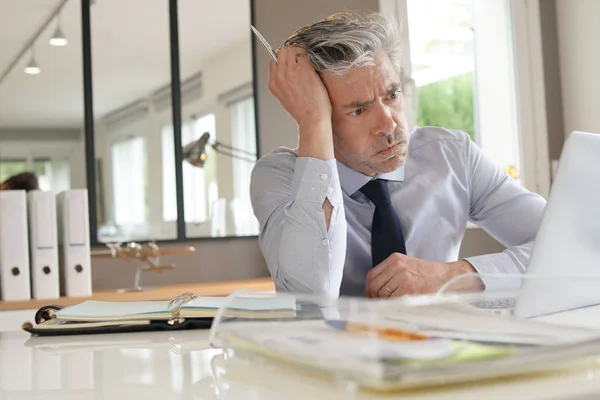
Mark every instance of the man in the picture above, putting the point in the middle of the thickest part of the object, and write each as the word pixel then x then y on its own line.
pixel 362 206
pixel 23 181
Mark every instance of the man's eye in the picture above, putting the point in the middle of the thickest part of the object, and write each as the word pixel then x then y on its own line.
pixel 395 95
pixel 358 111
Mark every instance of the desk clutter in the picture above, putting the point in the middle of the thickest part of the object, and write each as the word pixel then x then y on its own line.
pixel 376 345
pixel 44 245
pixel 389 345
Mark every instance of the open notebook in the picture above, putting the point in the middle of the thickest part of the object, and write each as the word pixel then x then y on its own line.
pixel 189 310
pixel 201 307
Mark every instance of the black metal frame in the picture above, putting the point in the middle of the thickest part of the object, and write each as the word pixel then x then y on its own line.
pixel 176 115
pixel 90 155
pixel 254 76
pixel 88 112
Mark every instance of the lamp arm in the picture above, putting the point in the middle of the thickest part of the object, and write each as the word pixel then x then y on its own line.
pixel 216 145
pixel 233 155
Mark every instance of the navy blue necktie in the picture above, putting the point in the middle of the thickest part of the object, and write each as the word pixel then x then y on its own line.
pixel 386 232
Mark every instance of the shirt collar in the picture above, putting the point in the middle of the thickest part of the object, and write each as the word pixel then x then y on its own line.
pixel 352 180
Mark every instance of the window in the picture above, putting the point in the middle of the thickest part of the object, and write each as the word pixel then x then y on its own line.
pixel 9 168
pixel 129 182
pixel 43 170
pixel 53 174
pixel 196 197
pixel 195 179
pixel 459 55
pixel 441 52
pixel 169 199
pixel 244 138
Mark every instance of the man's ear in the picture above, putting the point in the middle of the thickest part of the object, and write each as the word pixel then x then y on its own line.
pixel 4 186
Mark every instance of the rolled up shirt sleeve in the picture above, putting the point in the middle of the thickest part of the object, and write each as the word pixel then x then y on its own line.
pixel 287 194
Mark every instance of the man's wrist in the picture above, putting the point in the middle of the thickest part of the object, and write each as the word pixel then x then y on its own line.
pixel 462 267
pixel 316 139
pixel 469 283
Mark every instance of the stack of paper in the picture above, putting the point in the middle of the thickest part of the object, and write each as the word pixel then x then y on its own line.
pixel 464 322
pixel 393 346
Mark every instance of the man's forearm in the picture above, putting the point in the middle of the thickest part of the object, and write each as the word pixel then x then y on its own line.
pixel 316 141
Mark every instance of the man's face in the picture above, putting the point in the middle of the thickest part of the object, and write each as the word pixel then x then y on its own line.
pixel 369 126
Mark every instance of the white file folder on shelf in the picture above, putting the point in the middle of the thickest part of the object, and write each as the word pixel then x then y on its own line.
pixel 74 243
pixel 43 244
pixel 14 246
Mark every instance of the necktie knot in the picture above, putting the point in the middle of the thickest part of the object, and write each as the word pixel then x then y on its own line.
pixel 377 191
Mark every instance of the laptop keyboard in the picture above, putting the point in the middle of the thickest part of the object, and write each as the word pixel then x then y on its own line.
pixel 500 304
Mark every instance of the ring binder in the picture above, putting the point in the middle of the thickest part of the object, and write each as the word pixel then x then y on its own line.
pixel 181 300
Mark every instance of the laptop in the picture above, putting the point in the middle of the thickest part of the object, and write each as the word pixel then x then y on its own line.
pixel 567 244
pixel 564 267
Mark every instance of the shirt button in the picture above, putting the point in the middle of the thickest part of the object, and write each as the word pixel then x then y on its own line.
pixel 330 190
pixel 323 176
pixel 325 241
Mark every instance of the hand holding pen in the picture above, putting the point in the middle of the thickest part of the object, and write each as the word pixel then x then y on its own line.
pixel 298 87
pixel 265 44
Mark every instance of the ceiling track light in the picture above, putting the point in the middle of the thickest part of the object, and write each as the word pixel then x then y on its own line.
pixel 32 67
pixel 58 38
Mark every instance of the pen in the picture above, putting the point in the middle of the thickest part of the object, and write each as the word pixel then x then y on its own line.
pixel 264 42
pixel 383 333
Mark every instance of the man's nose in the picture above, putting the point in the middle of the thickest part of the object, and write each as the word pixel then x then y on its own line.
pixel 386 123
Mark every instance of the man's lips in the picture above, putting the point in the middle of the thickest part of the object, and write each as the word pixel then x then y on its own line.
pixel 389 150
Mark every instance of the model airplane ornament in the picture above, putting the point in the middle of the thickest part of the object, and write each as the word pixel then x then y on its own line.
pixel 145 258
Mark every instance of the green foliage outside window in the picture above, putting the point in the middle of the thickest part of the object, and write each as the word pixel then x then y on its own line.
pixel 448 103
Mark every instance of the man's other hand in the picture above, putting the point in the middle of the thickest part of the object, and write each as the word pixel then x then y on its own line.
pixel 399 275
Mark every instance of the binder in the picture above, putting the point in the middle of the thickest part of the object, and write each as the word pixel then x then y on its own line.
pixel 14 246
pixel 74 243
pixel 43 245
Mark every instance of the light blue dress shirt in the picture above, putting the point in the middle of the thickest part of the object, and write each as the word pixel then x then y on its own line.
pixel 446 181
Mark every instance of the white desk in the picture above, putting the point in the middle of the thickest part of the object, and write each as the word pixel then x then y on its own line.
pixel 178 365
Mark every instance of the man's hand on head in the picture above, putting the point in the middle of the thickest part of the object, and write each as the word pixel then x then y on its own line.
pixel 399 275
pixel 298 87
pixel 300 90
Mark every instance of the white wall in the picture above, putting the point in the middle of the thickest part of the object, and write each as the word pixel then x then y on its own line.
pixel 579 53
pixel 225 71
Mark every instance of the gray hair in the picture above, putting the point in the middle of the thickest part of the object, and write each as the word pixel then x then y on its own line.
pixel 349 40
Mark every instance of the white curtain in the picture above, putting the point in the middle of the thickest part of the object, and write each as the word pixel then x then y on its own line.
pixel 169 198
pixel 244 138
pixel 129 177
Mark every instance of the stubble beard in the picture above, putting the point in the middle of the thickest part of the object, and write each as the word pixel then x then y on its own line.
pixel 390 163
